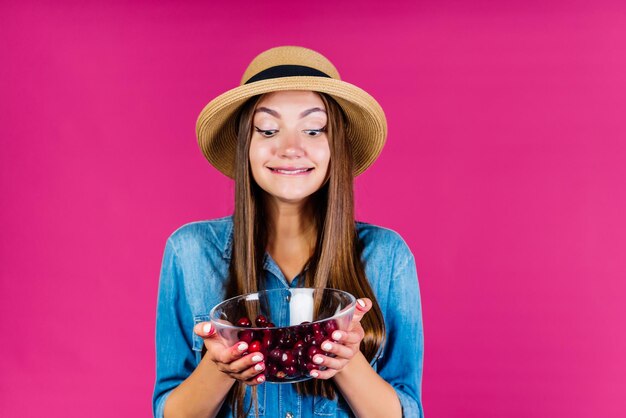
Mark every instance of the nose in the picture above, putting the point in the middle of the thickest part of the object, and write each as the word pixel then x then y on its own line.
pixel 290 146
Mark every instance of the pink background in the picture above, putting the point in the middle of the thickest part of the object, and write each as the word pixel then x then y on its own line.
pixel 504 170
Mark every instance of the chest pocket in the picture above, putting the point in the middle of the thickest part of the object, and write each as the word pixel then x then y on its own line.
pixel 339 408
pixel 199 350
pixel 323 407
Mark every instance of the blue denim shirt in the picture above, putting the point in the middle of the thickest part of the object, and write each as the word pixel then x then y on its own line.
pixel 195 266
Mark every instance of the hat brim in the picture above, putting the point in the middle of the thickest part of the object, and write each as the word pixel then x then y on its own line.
pixel 366 122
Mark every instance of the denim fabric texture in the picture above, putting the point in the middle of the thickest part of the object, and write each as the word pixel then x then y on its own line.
pixel 194 269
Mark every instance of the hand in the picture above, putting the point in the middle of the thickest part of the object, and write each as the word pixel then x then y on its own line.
pixel 345 345
pixel 229 360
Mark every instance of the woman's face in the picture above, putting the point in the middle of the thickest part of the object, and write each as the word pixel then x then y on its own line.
pixel 289 152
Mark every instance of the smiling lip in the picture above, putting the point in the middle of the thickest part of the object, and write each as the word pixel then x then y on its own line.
pixel 291 171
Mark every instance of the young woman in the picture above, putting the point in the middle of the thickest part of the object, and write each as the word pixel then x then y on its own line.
pixel 293 135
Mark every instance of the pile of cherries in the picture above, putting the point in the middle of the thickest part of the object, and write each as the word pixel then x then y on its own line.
pixel 288 351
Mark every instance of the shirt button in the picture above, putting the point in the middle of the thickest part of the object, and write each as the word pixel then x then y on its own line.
pixel 288 415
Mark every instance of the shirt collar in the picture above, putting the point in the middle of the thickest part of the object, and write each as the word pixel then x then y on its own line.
pixel 227 250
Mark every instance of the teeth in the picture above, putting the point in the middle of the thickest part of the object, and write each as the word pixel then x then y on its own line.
pixel 290 171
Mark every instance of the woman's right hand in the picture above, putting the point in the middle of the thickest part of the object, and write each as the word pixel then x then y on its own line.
pixel 229 360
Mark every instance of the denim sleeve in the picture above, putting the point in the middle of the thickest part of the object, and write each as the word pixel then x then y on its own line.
pixel 401 365
pixel 175 359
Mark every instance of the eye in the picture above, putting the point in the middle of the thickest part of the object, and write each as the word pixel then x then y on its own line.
pixel 315 132
pixel 266 132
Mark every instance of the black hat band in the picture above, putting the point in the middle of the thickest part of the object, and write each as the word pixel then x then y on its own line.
pixel 286 71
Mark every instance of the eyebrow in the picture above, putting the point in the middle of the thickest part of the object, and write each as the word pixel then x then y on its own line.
pixel 277 115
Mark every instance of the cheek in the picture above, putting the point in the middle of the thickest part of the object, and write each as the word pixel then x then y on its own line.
pixel 321 154
pixel 259 155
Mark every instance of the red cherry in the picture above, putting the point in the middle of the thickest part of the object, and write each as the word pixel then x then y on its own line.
pixel 246 335
pixel 272 369
pixel 319 337
pixel 244 322
pixel 270 325
pixel 287 359
pixel 287 340
pixel 258 335
pixel 260 321
pixel 267 343
pixel 291 371
pixel 303 331
pixel 278 333
pixel 313 350
pixel 330 327
pixel 276 354
pixel 300 356
pixel 299 351
pixel 254 346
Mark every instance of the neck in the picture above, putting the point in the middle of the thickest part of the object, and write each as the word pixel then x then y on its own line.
pixel 289 223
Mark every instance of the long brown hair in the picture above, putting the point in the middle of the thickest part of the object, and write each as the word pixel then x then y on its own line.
pixel 336 259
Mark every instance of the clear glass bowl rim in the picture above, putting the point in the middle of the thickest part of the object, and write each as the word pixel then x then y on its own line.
pixel 222 325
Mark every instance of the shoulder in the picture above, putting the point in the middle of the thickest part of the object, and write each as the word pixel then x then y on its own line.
pixel 212 233
pixel 380 238
pixel 383 250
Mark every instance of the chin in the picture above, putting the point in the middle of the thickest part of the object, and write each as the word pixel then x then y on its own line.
pixel 290 194
pixel 292 198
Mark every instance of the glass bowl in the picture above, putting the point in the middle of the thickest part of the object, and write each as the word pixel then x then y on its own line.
pixel 287 325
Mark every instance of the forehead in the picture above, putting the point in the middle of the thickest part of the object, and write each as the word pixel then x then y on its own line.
pixel 291 99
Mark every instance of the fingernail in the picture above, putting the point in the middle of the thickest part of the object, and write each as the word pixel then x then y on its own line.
pixel 257 358
pixel 318 360
pixel 258 367
pixel 327 346
pixel 360 302
pixel 336 335
pixel 260 379
pixel 207 328
pixel 242 347
pixel 314 374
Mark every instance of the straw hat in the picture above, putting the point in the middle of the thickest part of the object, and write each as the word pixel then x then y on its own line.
pixel 291 68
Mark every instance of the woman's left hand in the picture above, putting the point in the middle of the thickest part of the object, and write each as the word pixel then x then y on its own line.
pixel 344 344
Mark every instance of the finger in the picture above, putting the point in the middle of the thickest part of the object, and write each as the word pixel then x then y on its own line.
pixel 253 372
pixel 323 374
pixel 244 367
pixel 246 375
pixel 347 338
pixel 339 350
pixel 204 329
pixel 212 341
pixel 232 353
pixel 257 380
pixel 330 362
pixel 362 306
